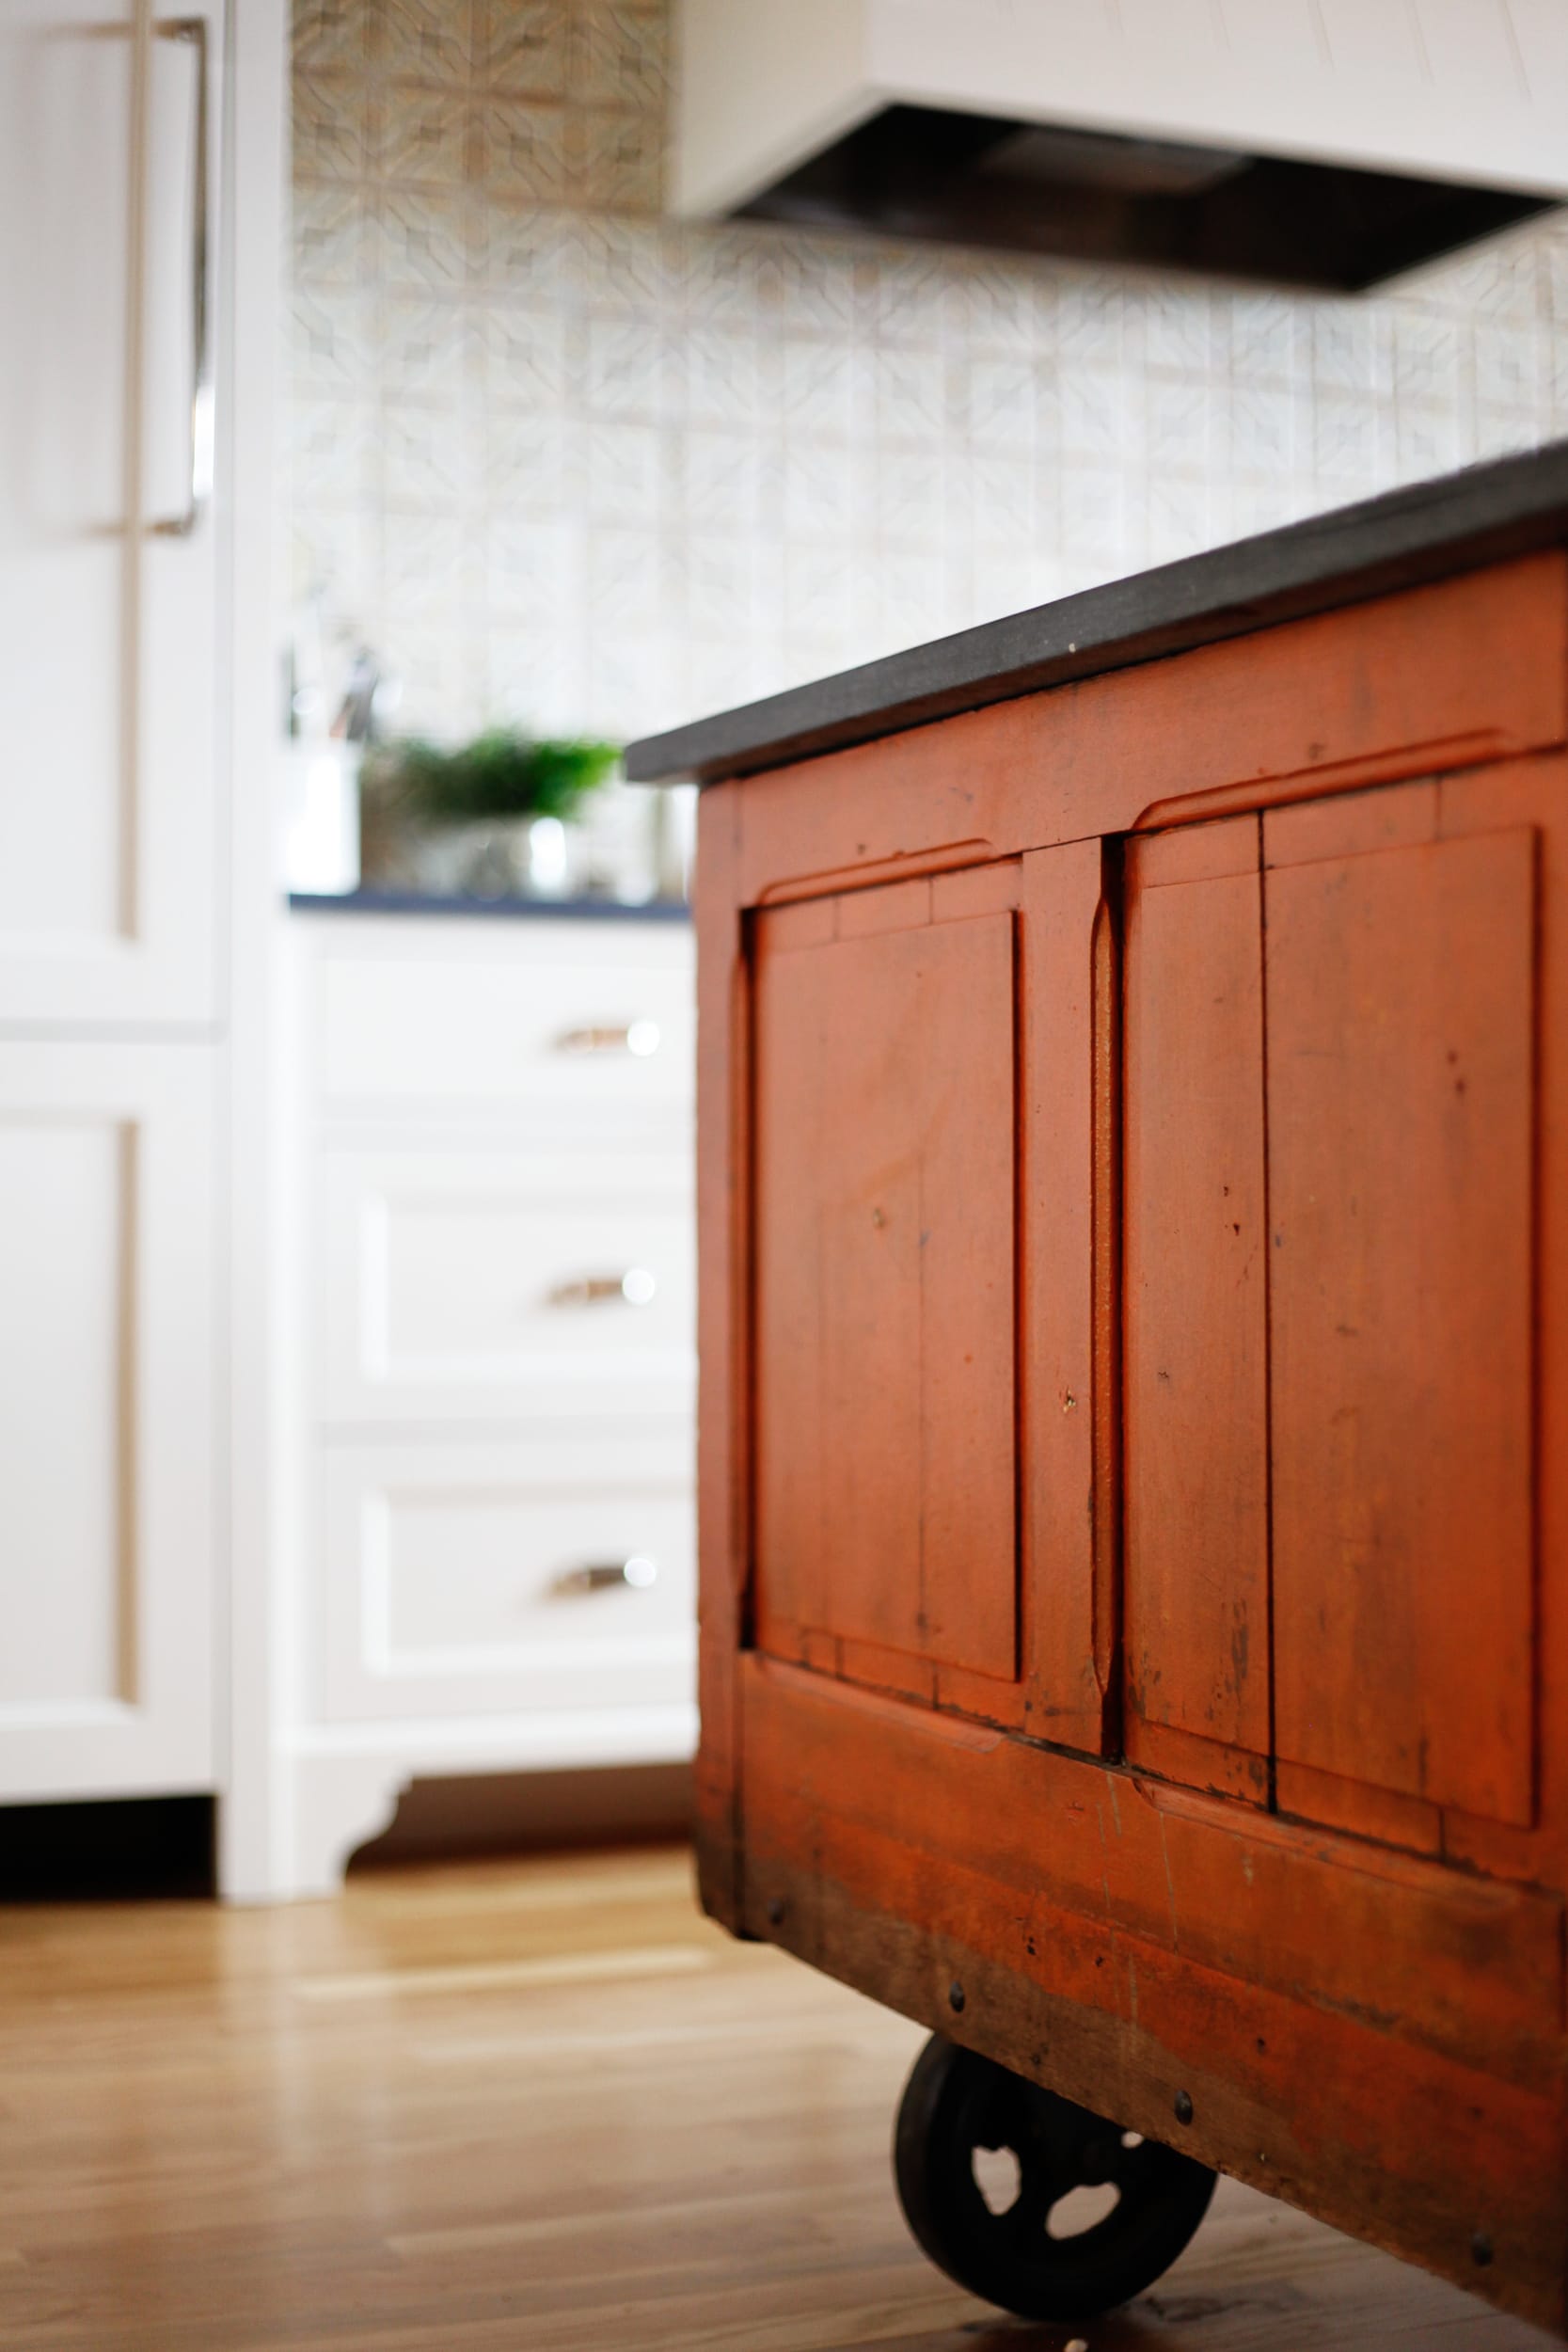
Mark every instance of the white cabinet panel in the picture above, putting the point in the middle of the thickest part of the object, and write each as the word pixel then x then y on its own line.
pixel 466 1578
pixel 107 603
pixel 106 1171
pixel 531 1018
pixel 470 1283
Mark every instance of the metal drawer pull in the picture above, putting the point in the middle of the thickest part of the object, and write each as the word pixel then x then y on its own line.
pixel 637 1286
pixel 604 1577
pixel 637 1038
pixel 194 30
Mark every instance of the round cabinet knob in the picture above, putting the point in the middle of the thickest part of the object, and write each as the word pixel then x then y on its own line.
pixel 642 1039
pixel 638 1286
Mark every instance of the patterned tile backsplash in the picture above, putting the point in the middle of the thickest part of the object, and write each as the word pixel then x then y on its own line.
pixel 560 460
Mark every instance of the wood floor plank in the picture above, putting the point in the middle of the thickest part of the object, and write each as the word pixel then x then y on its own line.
pixel 533 2106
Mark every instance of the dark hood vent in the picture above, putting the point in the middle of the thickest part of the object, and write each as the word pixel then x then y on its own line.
pixel 982 180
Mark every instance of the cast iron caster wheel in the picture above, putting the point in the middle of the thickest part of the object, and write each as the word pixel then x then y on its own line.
pixel 1009 2229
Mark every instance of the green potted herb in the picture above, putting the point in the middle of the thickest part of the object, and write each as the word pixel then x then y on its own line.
pixel 482 820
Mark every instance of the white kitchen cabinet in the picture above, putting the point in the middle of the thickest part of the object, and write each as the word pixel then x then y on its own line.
pixel 106 1423
pixel 493 1377
pixel 485 1019
pixel 141 183
pixel 111 814
pixel 529 1574
pixel 465 1281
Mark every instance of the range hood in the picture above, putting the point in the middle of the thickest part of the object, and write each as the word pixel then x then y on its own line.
pixel 1327 143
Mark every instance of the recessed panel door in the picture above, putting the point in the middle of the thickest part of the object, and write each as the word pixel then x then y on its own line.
pixel 885 1341
pixel 107 1419
pixel 110 115
pixel 1400 983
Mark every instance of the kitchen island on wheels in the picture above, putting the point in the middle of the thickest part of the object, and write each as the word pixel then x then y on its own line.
pixel 1134 1458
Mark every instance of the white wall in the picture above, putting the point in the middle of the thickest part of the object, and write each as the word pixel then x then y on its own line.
pixel 562 460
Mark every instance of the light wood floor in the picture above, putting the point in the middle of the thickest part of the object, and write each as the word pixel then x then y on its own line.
pixel 524 2105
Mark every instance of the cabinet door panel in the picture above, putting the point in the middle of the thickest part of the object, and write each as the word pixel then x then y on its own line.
pixel 107 827
pixel 105 1435
pixel 885 1287
pixel 1401 1044
pixel 1197 1570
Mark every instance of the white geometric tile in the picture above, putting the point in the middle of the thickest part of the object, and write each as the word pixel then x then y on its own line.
pixel 534 462
pixel 520 47
pixel 1426 440
pixel 992 501
pixel 821 488
pixel 726 582
pixel 634 371
pixel 535 567
pixel 615 161
pixel 619 57
pixel 910 297
pixel 527 359
pixel 1426 355
pixel 1260 339
pixel 1353 437
pixel 423 240
pixel 909 389
pixel 726 477
pixel 1100 411
pixel 1001 402
pixel 330 446
pixel 1181 418
pixel 1350 347
pixel 522 151
pixel 334 236
pixel 335 342
pixel 911 499
pixel 822 386
pixel 331 36
pixel 629 475
pixel 425 349
pixel 723 381
pixel 819 598
pixel 624 268
pixel 536 679
pixel 1259 429
pixel 426 459
pixel 424 136
pixel 635 579
pixel 428 42
pixel 1509 366
pixel 1176 328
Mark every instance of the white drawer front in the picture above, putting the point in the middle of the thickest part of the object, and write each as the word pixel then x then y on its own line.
pixel 468 1284
pixel 472 1578
pixel 566 1024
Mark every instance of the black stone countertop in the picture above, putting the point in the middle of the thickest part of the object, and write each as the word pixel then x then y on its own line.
pixel 1483 515
pixel 422 902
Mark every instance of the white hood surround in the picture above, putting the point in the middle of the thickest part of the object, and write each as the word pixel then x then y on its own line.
pixel 1328 141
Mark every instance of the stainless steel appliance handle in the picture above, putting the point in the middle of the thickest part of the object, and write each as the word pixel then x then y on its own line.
pixel 194 30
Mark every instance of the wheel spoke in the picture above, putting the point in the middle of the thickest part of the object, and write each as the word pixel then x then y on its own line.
pixel 1038 2189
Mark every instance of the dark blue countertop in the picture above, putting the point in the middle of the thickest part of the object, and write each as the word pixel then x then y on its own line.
pixel 555 910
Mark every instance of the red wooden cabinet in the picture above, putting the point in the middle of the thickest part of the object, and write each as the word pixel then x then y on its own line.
pixel 1135 1297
